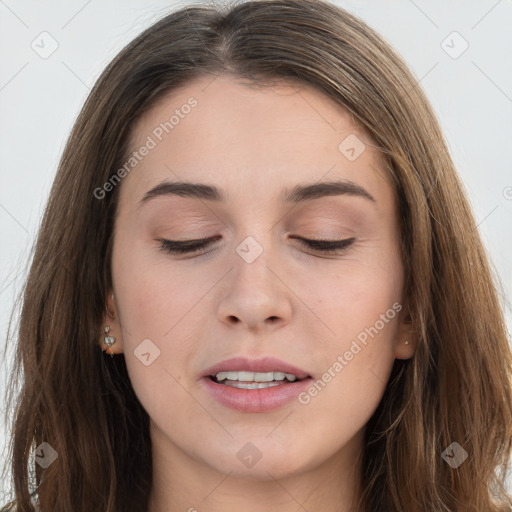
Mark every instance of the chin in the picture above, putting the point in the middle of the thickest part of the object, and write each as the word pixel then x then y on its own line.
pixel 261 459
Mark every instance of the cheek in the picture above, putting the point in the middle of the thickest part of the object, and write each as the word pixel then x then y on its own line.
pixel 357 362
pixel 354 297
pixel 155 305
pixel 153 296
pixel 359 309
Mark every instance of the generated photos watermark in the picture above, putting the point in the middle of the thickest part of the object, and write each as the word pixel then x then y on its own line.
pixel 152 141
pixel 356 347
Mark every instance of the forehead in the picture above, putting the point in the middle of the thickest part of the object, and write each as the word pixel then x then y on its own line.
pixel 246 137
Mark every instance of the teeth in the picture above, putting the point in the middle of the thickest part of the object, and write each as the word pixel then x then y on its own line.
pixel 251 385
pixel 254 376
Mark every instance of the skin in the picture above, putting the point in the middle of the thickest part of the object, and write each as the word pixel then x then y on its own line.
pixel 292 302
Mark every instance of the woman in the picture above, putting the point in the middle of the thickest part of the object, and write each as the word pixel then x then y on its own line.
pixel 257 219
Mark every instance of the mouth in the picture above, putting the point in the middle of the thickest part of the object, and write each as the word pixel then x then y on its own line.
pixel 254 380
pixel 259 371
pixel 255 385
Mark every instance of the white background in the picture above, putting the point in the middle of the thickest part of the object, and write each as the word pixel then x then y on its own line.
pixel 40 98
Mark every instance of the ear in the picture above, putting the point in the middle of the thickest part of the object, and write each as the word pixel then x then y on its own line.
pixel 111 328
pixel 406 338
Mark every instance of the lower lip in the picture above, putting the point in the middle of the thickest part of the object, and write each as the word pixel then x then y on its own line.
pixel 255 400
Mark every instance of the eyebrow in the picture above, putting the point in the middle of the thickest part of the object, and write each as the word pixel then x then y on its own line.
pixel 297 194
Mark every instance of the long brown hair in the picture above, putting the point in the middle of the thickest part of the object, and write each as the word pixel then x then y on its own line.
pixel 456 388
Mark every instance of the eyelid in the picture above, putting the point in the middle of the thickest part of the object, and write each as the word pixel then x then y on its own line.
pixel 185 246
pixel 323 245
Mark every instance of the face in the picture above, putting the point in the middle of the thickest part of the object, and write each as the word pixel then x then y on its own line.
pixel 332 315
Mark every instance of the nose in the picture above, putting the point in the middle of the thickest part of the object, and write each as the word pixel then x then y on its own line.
pixel 255 294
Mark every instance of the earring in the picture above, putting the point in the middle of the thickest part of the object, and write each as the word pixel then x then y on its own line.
pixel 406 342
pixel 109 341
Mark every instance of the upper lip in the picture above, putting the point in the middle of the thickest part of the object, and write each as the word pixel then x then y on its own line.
pixel 263 365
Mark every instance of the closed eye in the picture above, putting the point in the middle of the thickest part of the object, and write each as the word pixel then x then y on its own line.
pixel 327 246
pixel 191 246
pixel 185 246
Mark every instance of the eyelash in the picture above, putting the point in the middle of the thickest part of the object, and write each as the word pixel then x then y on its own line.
pixel 189 246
